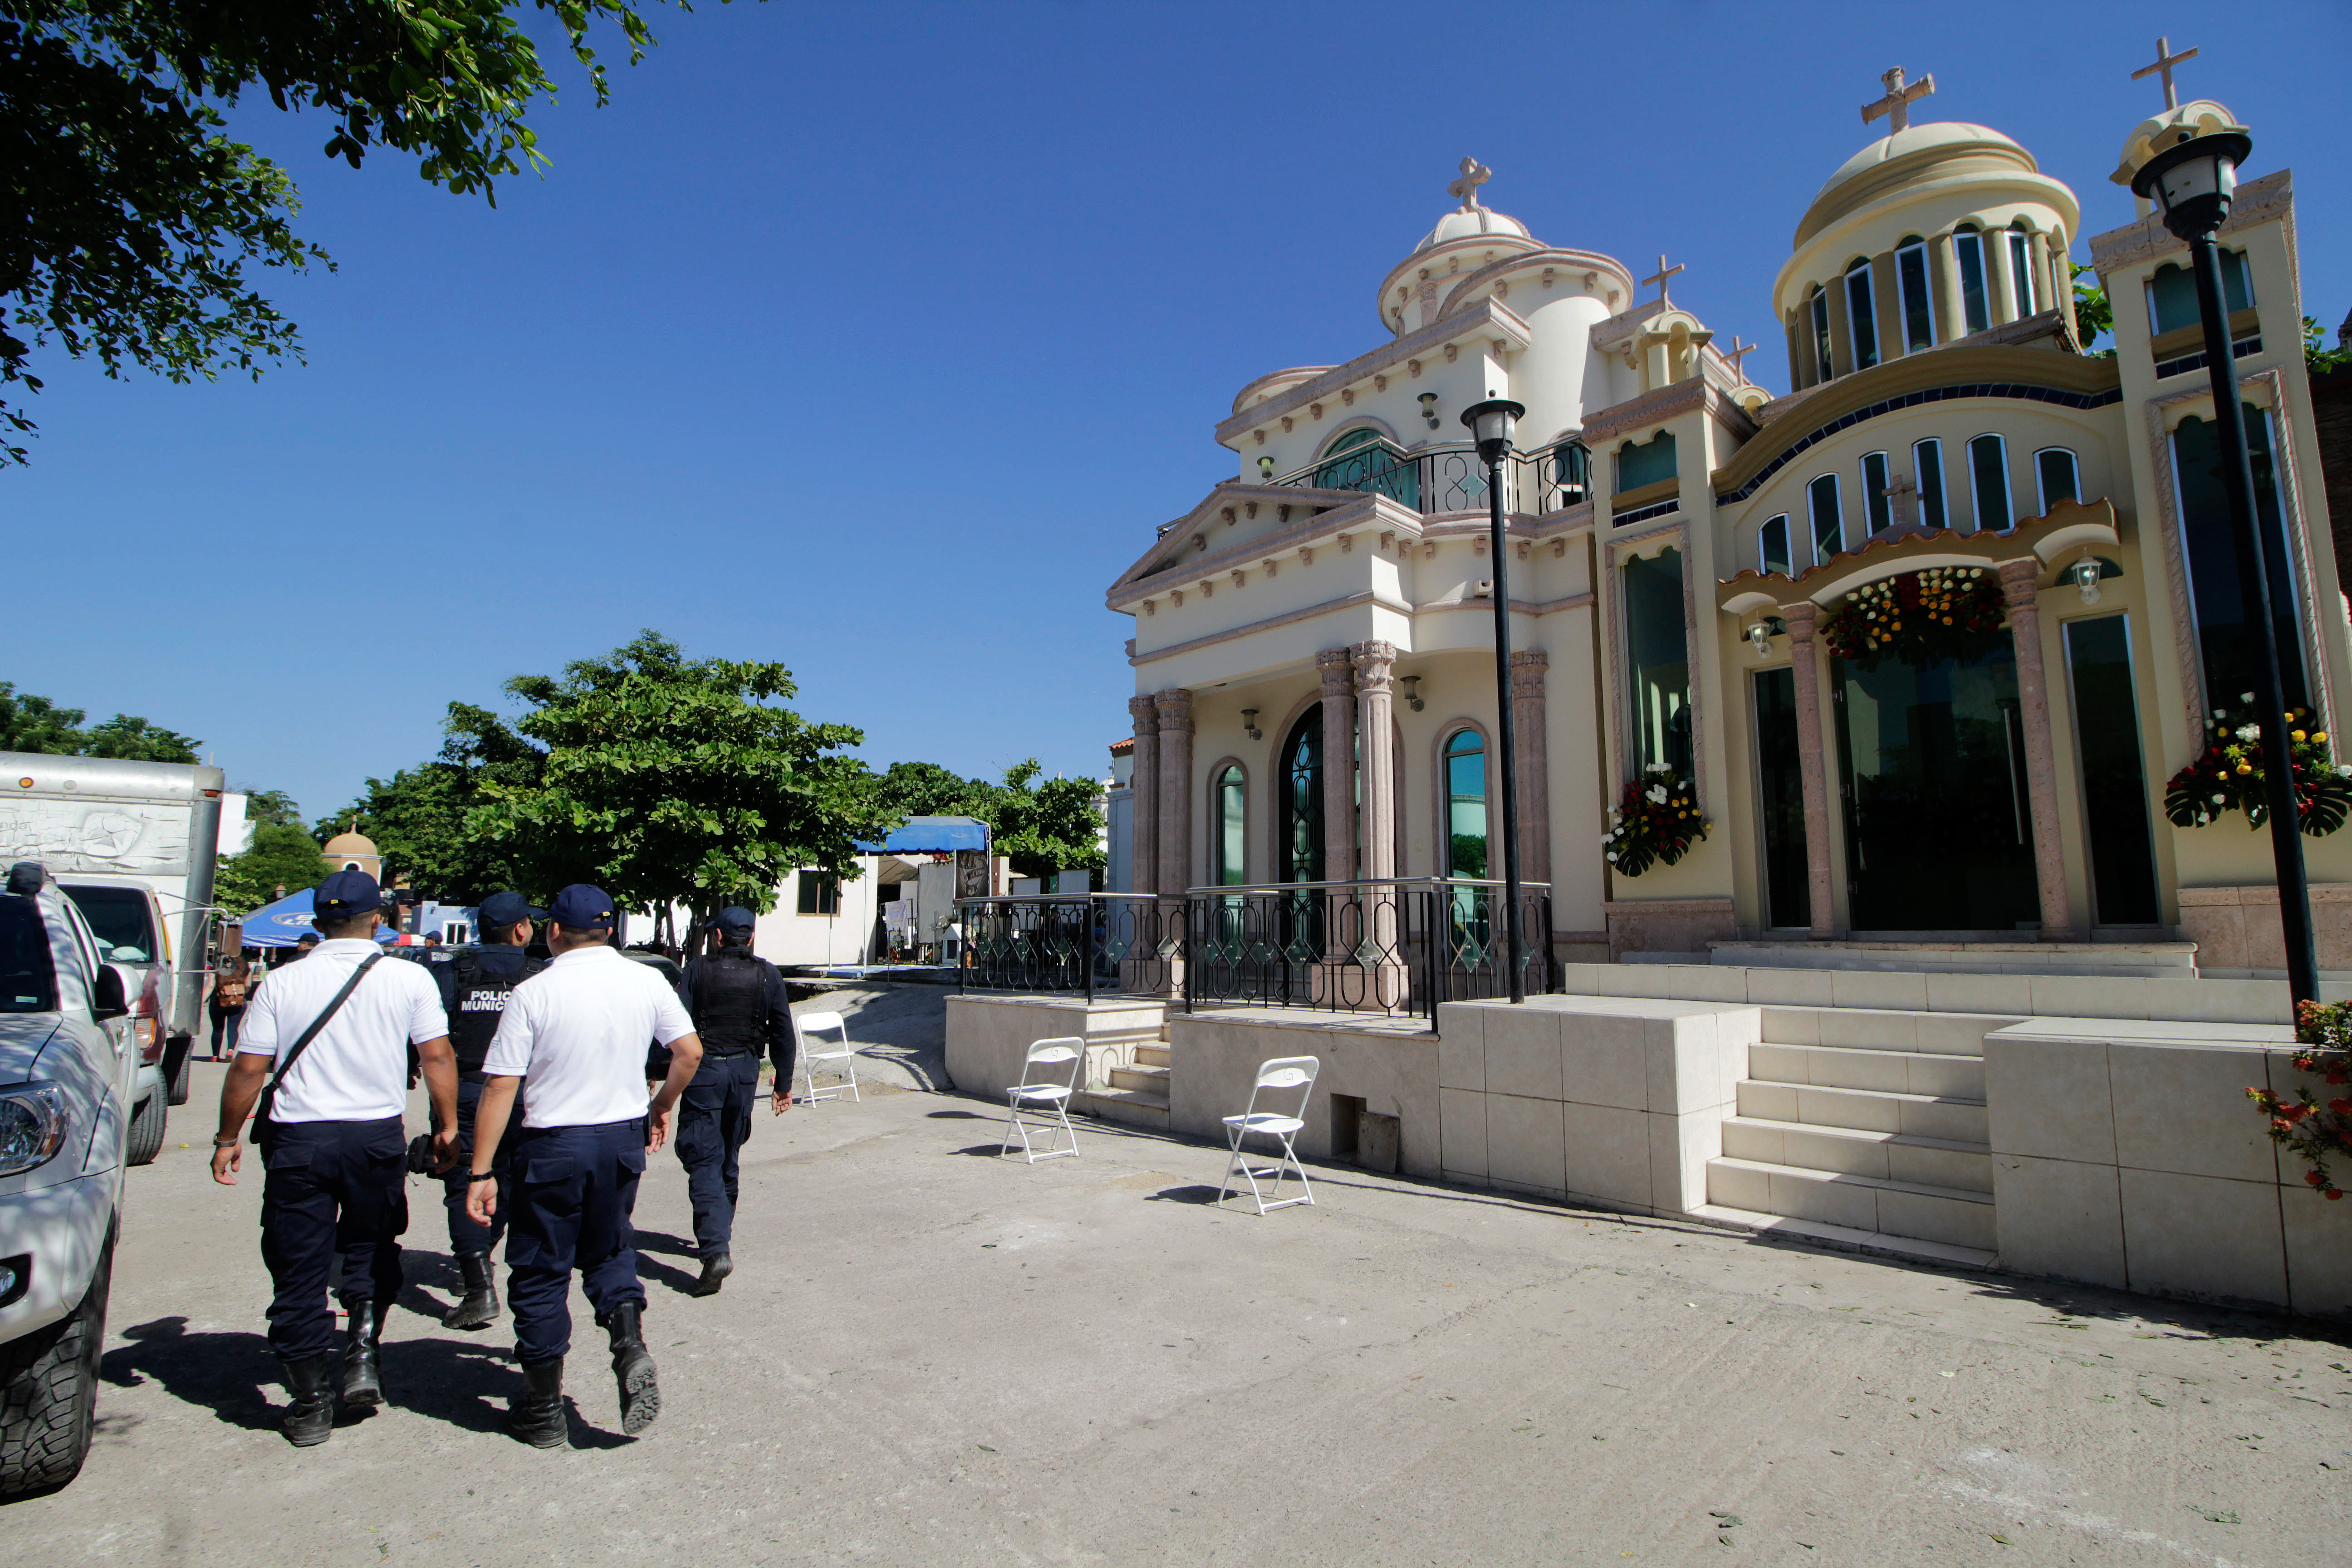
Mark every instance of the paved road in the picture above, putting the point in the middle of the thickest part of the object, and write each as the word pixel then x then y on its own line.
pixel 929 1356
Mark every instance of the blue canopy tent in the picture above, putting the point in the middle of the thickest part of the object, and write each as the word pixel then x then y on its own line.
pixel 931 835
pixel 281 924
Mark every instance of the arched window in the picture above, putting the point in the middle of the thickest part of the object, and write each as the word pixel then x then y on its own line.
pixel 1927 472
pixel 1657 657
pixel 1817 308
pixel 2172 293
pixel 1465 804
pixel 1828 517
pixel 2056 477
pixel 1911 283
pixel 1772 545
pixel 1360 459
pixel 1969 254
pixel 2022 271
pixel 1861 314
pixel 1231 845
pixel 1877 506
pixel 1988 481
pixel 1645 464
pixel 1298 845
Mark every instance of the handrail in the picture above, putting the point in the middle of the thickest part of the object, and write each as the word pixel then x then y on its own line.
pixel 1048 897
pixel 1357 882
pixel 1303 476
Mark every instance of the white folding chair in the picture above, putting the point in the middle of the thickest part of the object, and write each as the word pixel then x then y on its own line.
pixel 809 1023
pixel 1037 1096
pixel 1281 1073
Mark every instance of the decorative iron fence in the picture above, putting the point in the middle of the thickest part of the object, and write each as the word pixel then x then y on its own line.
pixel 1400 946
pixel 1450 477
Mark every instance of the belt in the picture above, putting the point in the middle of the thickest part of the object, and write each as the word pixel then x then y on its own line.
pixel 731 1051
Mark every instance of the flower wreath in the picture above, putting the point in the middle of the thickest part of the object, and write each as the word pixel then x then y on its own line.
pixel 1657 822
pixel 1942 612
pixel 2324 1048
pixel 2229 775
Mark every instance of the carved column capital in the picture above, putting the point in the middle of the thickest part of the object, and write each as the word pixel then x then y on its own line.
pixel 1528 666
pixel 1800 619
pixel 1175 706
pixel 1145 711
pixel 2020 583
pixel 1337 670
pixel 1375 666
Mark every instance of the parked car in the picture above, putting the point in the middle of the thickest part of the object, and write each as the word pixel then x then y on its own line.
pixel 127 919
pixel 66 1066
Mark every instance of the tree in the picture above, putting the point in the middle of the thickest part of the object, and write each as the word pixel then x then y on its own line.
pixel 669 780
pixel 135 740
pixel 1042 827
pixel 127 218
pixel 418 817
pixel 282 856
pixel 2094 312
pixel 30 723
pixel 926 789
pixel 270 807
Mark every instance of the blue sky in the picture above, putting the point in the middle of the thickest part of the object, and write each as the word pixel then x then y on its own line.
pixel 877 340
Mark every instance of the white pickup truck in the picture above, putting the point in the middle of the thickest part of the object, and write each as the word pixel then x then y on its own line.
pixel 67 1064
pixel 132 844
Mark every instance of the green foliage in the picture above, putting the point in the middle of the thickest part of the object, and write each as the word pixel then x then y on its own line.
pixel 2230 775
pixel 31 724
pixel 926 789
pixel 418 817
pixel 2318 359
pixel 1656 823
pixel 1469 854
pixel 1042 827
pixel 673 780
pixel 130 220
pixel 2300 1122
pixel 282 856
pixel 271 807
pixel 2094 313
pixel 136 740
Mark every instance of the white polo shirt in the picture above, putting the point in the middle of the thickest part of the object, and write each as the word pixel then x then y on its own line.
pixel 579 1030
pixel 357 1069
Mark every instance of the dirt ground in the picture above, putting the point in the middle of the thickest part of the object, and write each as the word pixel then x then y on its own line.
pixel 931 1355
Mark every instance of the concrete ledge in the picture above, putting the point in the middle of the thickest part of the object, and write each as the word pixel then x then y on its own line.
pixel 2024 995
pixel 989 1033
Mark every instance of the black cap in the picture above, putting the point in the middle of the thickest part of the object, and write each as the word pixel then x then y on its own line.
pixel 583 908
pixel 734 920
pixel 346 893
pixel 308 938
pixel 500 911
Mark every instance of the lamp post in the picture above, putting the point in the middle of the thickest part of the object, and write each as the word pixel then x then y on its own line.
pixel 1491 423
pixel 2191 182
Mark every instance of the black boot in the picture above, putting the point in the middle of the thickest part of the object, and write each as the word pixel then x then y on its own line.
pixel 716 1267
pixel 362 1361
pixel 633 1368
pixel 480 1307
pixel 311 1415
pixel 536 1416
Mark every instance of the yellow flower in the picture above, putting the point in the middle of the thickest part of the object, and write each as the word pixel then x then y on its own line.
pixel 2245 767
pixel 2320 735
pixel 2297 733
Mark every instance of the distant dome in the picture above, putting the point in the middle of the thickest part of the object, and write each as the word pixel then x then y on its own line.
pixel 1910 156
pixel 1472 224
pixel 2201 118
pixel 350 847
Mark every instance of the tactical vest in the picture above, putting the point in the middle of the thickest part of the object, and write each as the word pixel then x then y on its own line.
pixel 730 1001
pixel 481 1003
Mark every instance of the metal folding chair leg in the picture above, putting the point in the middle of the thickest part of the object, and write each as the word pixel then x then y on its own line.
pixel 1014 1125
pixel 1290 1161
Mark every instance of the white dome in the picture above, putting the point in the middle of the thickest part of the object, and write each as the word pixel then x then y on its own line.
pixel 1956 134
pixel 1471 224
pixel 2201 118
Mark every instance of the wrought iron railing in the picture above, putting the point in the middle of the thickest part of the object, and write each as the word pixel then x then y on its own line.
pixel 1398 946
pixel 1083 942
pixel 1450 477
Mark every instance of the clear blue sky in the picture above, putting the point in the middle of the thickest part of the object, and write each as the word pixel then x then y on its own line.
pixel 877 339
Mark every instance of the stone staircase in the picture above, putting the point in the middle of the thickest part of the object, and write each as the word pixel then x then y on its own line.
pixel 1865 1129
pixel 1125 1081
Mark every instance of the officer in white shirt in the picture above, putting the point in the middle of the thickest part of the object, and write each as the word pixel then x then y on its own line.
pixel 332 1144
pixel 578 1030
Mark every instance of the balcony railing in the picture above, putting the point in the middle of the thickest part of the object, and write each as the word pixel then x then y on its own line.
pixel 1450 477
pixel 1399 946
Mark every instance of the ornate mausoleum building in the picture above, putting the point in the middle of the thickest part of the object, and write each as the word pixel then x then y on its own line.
pixel 1917 645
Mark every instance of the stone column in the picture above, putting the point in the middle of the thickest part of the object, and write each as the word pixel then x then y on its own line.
pixel 1531 742
pixel 1143 826
pixel 1385 984
pixel 1999 280
pixel 2017 587
pixel 1944 279
pixel 1175 706
pixel 1812 768
pixel 1337 668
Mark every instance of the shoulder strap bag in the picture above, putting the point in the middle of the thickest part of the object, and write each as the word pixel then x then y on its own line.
pixel 261 1120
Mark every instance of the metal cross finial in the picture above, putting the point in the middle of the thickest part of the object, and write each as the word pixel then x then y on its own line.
pixel 1473 174
pixel 1740 351
pixel 1660 277
pixel 1896 105
pixel 2165 60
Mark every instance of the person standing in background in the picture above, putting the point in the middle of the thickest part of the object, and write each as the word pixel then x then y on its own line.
pixel 232 989
pixel 741 1013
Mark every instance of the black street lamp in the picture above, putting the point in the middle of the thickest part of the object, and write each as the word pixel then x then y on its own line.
pixel 2191 182
pixel 1492 422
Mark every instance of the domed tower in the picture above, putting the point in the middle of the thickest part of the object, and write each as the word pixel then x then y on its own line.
pixel 352 850
pixel 1932 235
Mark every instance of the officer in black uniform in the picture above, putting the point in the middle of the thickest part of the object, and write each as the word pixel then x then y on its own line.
pixel 740 1012
pixel 474 982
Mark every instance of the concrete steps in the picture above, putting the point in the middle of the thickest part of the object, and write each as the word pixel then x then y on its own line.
pixel 1863 1128
pixel 1132 1089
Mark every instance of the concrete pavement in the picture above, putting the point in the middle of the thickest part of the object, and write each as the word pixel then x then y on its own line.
pixel 927 1355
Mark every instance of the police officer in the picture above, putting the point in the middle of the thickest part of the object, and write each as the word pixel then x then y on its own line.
pixel 475 984
pixel 740 1012
pixel 578 1031
pixel 337 1030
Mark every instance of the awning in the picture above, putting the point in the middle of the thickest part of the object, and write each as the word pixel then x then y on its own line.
pixel 281 924
pixel 931 835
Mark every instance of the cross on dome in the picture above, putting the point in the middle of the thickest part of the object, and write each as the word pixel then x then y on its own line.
pixel 1660 277
pixel 1896 105
pixel 1740 351
pixel 1473 174
pixel 2165 60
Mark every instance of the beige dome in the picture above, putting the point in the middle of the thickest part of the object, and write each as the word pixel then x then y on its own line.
pixel 2201 118
pixel 1910 156
pixel 1476 223
pixel 350 847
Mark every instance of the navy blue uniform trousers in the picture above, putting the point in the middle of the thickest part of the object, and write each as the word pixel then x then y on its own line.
pixel 331 1187
pixel 464 1236
pixel 574 1190
pixel 714 1117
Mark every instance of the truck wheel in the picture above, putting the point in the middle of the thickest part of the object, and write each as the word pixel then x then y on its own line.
pixel 48 1393
pixel 175 1068
pixel 147 1129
